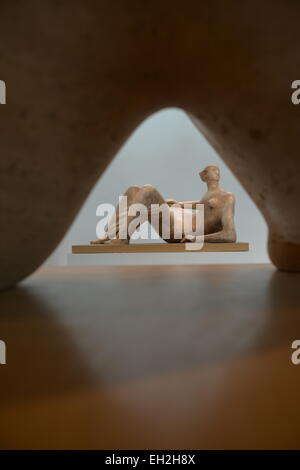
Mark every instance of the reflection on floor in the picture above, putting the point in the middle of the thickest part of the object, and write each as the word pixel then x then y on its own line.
pixel 162 357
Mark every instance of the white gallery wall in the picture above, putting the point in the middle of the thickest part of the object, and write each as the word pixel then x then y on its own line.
pixel 166 151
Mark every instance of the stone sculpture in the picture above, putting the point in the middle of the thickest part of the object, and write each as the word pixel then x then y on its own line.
pixel 218 213
pixel 81 76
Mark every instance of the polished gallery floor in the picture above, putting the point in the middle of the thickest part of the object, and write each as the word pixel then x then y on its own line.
pixel 151 357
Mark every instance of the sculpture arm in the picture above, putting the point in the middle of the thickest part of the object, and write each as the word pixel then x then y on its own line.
pixel 170 202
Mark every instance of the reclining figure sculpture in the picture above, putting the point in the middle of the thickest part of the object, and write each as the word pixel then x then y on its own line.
pixel 218 221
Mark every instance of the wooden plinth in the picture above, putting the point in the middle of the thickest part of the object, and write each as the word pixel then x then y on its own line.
pixel 159 248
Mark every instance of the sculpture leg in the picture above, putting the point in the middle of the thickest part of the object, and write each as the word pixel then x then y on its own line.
pixel 162 220
pixel 146 196
pixel 283 254
pixel 113 228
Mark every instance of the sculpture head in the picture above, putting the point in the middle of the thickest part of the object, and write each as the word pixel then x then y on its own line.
pixel 210 173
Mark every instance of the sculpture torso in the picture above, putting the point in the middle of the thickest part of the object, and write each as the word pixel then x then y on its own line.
pixel 214 204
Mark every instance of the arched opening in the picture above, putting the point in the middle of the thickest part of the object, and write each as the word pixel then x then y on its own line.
pixel 167 151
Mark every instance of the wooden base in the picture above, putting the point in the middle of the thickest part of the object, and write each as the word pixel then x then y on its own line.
pixel 158 248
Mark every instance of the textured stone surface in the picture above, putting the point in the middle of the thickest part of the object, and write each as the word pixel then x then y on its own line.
pixel 81 76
